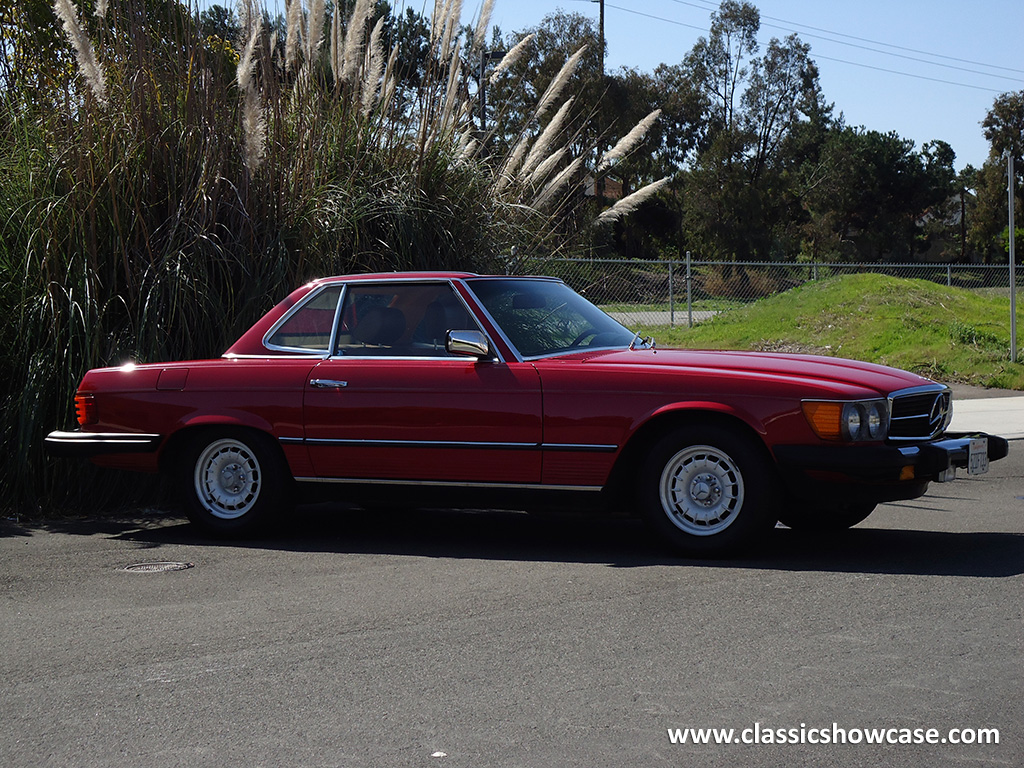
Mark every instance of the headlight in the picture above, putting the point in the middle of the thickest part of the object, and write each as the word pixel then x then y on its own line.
pixel 854 421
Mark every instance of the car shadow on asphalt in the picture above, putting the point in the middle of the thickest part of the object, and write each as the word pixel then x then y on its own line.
pixel 617 542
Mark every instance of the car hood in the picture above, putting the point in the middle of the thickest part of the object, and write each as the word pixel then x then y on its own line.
pixel 837 375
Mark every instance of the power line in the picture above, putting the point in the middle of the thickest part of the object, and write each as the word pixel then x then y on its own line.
pixel 713 7
pixel 908 74
pixel 842 61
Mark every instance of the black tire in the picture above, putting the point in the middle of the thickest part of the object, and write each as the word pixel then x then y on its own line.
pixel 837 517
pixel 233 481
pixel 708 490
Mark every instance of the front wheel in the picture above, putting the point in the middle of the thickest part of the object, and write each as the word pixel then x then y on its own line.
pixel 233 482
pixel 708 490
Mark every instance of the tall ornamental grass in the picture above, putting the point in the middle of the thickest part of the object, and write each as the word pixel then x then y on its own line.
pixel 160 190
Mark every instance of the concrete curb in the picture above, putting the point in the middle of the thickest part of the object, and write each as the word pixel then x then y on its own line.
pixel 1003 416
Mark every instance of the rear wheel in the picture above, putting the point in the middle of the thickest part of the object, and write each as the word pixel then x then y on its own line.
pixel 233 481
pixel 838 517
pixel 708 490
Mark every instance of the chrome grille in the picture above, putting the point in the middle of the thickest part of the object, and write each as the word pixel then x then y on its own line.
pixel 920 413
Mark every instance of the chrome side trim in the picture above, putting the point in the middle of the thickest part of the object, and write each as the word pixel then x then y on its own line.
pixel 467 444
pixel 423 444
pixel 446 484
pixel 449 360
pixel 573 447
pixel 271 356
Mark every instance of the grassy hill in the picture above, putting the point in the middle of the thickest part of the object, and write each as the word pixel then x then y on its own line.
pixel 948 334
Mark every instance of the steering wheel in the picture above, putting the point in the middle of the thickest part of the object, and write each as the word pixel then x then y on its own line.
pixel 587 333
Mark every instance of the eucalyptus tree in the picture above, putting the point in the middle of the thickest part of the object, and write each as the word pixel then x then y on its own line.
pixel 520 86
pixel 1004 125
pixel 735 192
pixel 988 228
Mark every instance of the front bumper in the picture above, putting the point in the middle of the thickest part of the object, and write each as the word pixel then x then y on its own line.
pixel 878 472
pixel 84 445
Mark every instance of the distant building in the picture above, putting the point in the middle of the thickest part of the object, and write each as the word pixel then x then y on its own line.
pixel 612 188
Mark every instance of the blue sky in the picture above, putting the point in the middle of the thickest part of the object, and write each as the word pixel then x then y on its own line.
pixel 927 70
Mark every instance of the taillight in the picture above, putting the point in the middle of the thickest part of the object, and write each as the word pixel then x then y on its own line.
pixel 85 409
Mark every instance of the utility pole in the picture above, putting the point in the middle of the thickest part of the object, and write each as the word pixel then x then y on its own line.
pixel 1011 187
pixel 486 56
pixel 599 178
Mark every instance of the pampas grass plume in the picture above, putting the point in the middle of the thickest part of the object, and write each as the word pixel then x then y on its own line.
pixel 87 63
pixel 631 202
pixel 512 56
pixel 480 32
pixel 314 29
pixel 630 140
pixel 547 138
pixel 354 38
pixel 374 65
pixel 292 33
pixel 556 184
pixel 559 82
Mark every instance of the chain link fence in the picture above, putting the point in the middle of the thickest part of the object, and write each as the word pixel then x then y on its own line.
pixel 646 293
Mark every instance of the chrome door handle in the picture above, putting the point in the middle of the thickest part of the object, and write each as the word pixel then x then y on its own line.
pixel 328 384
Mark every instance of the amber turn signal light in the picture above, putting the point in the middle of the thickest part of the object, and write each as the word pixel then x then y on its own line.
pixel 825 419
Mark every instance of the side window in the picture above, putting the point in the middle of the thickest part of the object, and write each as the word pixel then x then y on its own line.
pixel 400 320
pixel 308 329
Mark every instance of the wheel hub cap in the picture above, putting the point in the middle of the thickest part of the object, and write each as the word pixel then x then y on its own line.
pixel 233 478
pixel 701 490
pixel 227 479
pixel 706 490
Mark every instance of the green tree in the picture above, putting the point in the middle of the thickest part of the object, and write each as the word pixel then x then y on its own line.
pixel 720 64
pixel 782 83
pixel 221 22
pixel 874 189
pixel 1004 125
pixel 988 216
pixel 517 90
pixel 736 193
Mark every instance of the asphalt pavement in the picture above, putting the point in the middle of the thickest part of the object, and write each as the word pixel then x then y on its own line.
pixel 443 639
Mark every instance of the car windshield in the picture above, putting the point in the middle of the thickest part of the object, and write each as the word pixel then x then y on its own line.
pixel 545 317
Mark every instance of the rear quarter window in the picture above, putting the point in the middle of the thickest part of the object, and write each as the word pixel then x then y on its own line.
pixel 308 328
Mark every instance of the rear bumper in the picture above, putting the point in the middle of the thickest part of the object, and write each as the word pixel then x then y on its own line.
pixel 877 472
pixel 85 445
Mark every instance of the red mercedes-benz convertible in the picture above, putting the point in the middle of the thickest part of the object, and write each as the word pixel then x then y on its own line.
pixel 460 389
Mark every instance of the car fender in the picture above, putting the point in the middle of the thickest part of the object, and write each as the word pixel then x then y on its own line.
pixel 648 429
pixel 693 408
pixel 192 424
pixel 249 420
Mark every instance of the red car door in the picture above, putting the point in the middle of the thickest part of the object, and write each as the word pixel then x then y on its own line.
pixel 391 403
pixel 436 419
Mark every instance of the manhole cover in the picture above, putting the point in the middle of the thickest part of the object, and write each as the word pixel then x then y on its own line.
pixel 157 567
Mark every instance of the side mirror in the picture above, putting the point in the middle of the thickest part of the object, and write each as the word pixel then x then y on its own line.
pixel 468 343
